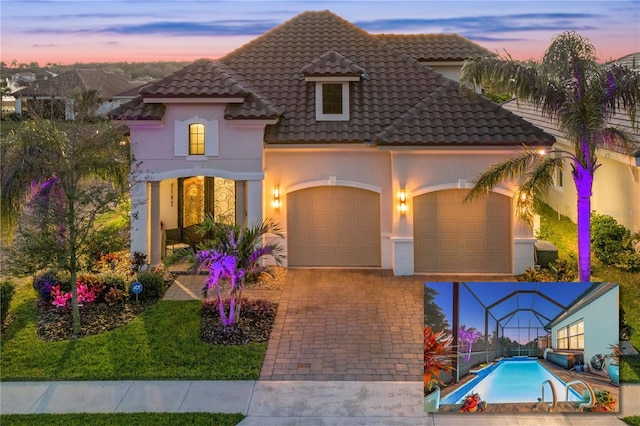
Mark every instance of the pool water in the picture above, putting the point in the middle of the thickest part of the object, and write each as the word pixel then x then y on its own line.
pixel 513 381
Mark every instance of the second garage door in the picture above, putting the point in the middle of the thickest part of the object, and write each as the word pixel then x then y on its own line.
pixel 453 237
pixel 333 226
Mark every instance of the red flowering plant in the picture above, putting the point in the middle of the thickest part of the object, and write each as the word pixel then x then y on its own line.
pixel 472 403
pixel 438 357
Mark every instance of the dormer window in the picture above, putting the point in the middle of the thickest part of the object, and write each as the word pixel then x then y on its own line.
pixel 331 74
pixel 332 101
pixel 196 139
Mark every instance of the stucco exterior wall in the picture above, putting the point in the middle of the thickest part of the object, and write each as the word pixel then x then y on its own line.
pixel 240 147
pixel 600 325
pixel 616 189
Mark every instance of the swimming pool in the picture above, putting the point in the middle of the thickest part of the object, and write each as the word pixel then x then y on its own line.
pixel 512 381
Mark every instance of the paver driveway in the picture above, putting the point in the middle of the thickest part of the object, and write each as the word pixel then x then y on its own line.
pixel 347 325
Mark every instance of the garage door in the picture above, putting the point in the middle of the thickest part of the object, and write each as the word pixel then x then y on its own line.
pixel 333 226
pixel 453 237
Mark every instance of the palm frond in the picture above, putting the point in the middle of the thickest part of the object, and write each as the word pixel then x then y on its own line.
pixel 511 169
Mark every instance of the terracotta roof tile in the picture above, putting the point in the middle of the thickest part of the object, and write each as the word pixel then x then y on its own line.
pixel 201 79
pixel 135 109
pixel 331 63
pixel 64 84
pixel 399 101
pixel 449 118
pixel 435 47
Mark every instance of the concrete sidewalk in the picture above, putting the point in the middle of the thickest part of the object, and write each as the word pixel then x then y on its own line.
pixel 267 402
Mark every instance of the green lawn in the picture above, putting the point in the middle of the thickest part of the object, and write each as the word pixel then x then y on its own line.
pixel 125 419
pixel 562 232
pixel 162 343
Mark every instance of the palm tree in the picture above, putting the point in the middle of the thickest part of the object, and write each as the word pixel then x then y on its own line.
pixel 61 176
pixel 577 93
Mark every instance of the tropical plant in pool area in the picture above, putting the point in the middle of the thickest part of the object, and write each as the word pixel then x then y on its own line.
pixel 571 88
pixel 467 338
pixel 473 403
pixel 438 357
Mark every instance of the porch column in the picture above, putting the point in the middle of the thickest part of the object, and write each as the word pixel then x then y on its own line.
pixel 139 215
pixel 154 224
pixel 254 201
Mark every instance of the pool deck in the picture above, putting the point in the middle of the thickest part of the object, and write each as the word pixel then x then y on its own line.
pixel 594 380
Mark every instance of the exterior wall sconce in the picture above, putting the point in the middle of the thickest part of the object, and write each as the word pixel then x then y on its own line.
pixel 276 198
pixel 403 202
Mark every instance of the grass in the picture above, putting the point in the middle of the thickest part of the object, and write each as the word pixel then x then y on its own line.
pixel 161 344
pixel 632 420
pixel 157 419
pixel 562 232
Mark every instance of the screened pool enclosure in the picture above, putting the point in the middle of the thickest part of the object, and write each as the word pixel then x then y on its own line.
pixel 492 320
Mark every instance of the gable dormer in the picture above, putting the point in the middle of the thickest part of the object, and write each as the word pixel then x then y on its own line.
pixel 332 73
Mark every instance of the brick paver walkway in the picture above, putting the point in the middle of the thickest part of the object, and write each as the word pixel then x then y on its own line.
pixel 347 325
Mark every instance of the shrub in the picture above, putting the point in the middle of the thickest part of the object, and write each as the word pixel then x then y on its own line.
pixel 152 285
pixel 627 260
pixel 43 282
pixel 115 295
pixel 607 238
pixel 6 294
pixel 108 239
pixel 563 270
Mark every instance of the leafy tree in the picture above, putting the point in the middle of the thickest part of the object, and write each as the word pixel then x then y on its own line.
pixel 573 90
pixel 58 177
pixel 433 315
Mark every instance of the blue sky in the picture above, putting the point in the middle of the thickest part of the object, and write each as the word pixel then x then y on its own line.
pixel 141 30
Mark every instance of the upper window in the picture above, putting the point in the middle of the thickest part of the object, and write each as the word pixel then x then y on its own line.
pixel 196 139
pixel 332 98
pixel 332 101
pixel 571 336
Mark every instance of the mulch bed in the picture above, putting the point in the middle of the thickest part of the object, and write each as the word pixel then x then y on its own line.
pixel 54 323
pixel 254 326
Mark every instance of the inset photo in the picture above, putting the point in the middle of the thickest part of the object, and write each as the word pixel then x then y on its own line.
pixel 521 347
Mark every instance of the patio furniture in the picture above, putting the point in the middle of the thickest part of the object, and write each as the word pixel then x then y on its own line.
pixel 565 359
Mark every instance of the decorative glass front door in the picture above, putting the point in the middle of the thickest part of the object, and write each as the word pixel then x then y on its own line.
pixel 201 195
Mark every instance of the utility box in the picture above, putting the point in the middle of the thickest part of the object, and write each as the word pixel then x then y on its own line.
pixel 546 253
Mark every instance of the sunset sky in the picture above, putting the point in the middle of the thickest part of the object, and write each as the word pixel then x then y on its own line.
pixel 136 31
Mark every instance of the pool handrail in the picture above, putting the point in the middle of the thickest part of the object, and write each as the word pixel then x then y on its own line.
pixel 592 395
pixel 553 404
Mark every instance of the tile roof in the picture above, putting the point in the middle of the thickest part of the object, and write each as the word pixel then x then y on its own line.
pixel 435 47
pixel 396 91
pixel 330 64
pixel 202 79
pixel 136 110
pixel 448 117
pixel 109 85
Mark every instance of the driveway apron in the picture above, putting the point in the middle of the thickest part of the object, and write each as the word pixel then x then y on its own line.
pixel 357 325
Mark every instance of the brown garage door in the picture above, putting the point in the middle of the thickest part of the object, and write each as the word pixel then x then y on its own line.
pixel 453 237
pixel 333 226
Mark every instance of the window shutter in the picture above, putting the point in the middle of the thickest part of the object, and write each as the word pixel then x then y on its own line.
pixel 211 138
pixel 181 138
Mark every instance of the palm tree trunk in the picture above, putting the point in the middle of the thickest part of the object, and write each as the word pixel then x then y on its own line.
pixel 583 178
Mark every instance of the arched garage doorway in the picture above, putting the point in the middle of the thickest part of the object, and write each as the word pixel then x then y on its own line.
pixel 455 237
pixel 333 226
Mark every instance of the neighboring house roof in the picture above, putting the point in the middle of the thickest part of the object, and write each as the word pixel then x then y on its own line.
pixel 435 47
pixel 632 60
pixel 269 72
pixel 66 83
pixel 534 115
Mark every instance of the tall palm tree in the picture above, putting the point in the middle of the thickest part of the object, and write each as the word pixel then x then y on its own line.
pixel 577 93
pixel 63 175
